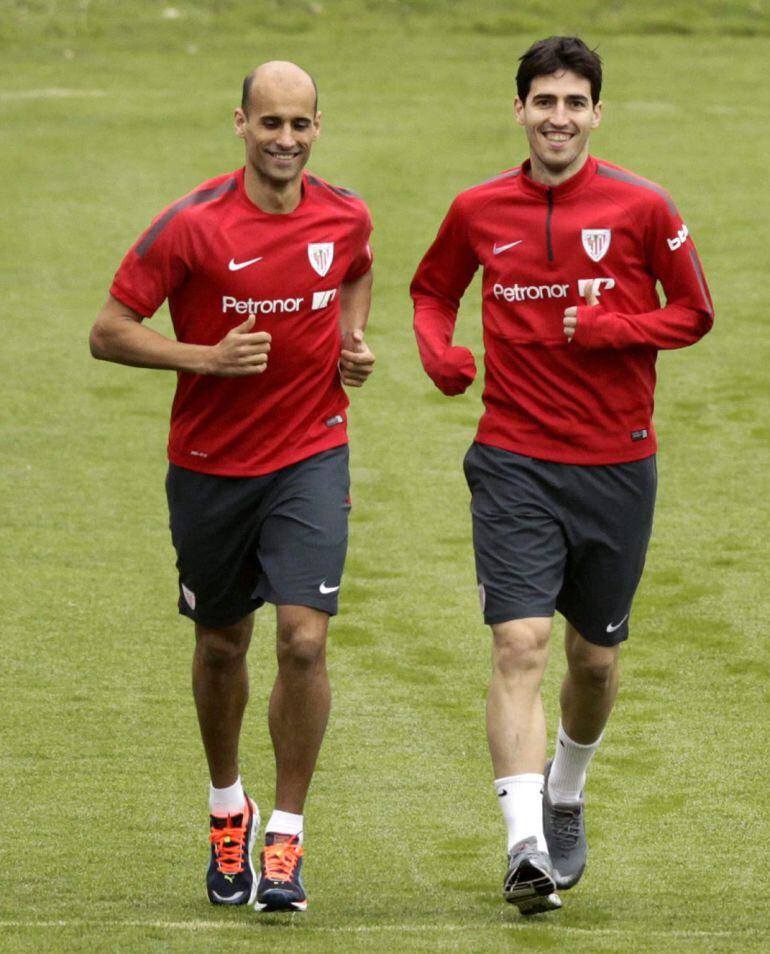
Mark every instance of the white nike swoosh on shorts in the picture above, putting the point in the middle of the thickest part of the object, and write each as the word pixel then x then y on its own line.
pixel 611 627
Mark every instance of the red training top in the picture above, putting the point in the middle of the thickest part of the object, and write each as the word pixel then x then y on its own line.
pixel 218 258
pixel 588 401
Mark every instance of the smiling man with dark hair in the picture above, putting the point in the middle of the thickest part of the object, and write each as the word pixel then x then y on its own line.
pixel 562 471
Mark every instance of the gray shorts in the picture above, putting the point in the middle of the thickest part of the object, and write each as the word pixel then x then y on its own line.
pixel 563 537
pixel 242 541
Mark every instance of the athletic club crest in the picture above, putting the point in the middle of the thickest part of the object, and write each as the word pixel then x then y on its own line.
pixel 321 255
pixel 596 242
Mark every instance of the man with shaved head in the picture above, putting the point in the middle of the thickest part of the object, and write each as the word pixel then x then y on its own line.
pixel 267 274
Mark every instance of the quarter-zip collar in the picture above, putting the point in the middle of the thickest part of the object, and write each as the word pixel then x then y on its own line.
pixel 549 193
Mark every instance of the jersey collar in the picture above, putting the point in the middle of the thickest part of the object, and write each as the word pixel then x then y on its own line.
pixel 568 187
pixel 240 175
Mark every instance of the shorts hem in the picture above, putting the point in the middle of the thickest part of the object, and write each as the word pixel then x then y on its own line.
pixel 508 616
pixel 310 604
pixel 601 638
pixel 211 622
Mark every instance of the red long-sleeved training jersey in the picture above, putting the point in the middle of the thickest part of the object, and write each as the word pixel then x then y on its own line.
pixel 588 401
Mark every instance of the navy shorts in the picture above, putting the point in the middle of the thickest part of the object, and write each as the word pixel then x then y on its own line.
pixel 242 541
pixel 564 537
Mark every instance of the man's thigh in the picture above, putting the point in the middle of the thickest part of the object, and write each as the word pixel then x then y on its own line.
pixel 304 535
pixel 518 541
pixel 214 529
pixel 608 513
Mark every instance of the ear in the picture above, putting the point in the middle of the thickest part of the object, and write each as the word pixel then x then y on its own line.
pixel 597 117
pixel 316 126
pixel 518 111
pixel 239 119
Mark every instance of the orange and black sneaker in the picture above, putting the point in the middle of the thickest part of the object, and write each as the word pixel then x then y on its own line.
pixel 231 878
pixel 280 885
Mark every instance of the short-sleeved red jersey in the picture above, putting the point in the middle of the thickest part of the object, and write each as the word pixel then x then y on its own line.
pixel 588 401
pixel 218 258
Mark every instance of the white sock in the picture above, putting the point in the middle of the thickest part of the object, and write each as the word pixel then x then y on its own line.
pixel 567 777
pixel 227 801
pixel 285 823
pixel 521 802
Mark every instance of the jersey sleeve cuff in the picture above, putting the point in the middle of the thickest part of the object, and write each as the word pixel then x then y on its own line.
pixel 131 301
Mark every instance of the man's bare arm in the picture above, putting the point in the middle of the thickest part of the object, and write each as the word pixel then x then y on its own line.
pixel 356 360
pixel 118 335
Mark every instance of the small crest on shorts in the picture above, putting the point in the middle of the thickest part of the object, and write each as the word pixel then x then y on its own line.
pixel 596 242
pixel 189 596
pixel 321 256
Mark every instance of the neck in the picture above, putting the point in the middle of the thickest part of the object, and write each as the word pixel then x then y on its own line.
pixel 554 177
pixel 278 198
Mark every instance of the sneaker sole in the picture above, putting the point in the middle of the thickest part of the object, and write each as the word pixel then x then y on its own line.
pixel 256 822
pixel 532 891
pixel 280 905
pixel 540 904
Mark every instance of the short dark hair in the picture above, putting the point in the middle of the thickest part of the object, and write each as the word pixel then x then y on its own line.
pixel 246 91
pixel 558 53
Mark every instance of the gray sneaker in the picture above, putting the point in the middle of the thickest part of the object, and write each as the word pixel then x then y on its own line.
pixel 565 836
pixel 529 882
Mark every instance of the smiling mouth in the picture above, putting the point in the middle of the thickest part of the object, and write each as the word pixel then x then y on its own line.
pixel 283 156
pixel 557 137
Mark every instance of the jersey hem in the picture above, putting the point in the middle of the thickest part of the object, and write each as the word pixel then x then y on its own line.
pixel 556 456
pixel 259 470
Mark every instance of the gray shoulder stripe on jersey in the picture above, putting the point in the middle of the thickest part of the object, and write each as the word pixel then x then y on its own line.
pixel 631 179
pixel 338 190
pixel 512 173
pixel 702 282
pixel 196 198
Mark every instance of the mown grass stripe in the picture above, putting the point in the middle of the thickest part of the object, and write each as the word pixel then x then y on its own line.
pixel 379 928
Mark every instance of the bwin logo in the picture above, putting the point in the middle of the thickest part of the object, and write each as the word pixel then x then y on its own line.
pixel 323 299
pixel 600 284
pixel 679 239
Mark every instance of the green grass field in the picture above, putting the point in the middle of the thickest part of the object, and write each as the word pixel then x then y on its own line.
pixel 109 111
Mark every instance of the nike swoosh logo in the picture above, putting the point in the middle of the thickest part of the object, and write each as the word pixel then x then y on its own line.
pixel 237 266
pixel 323 588
pixel 503 793
pixel 230 899
pixel 611 627
pixel 496 249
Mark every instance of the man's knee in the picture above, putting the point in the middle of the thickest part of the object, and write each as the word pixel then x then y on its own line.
pixel 597 675
pixel 595 667
pixel 224 647
pixel 520 646
pixel 301 642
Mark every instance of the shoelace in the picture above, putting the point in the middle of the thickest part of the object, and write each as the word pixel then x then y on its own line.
pixel 567 831
pixel 281 859
pixel 228 845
